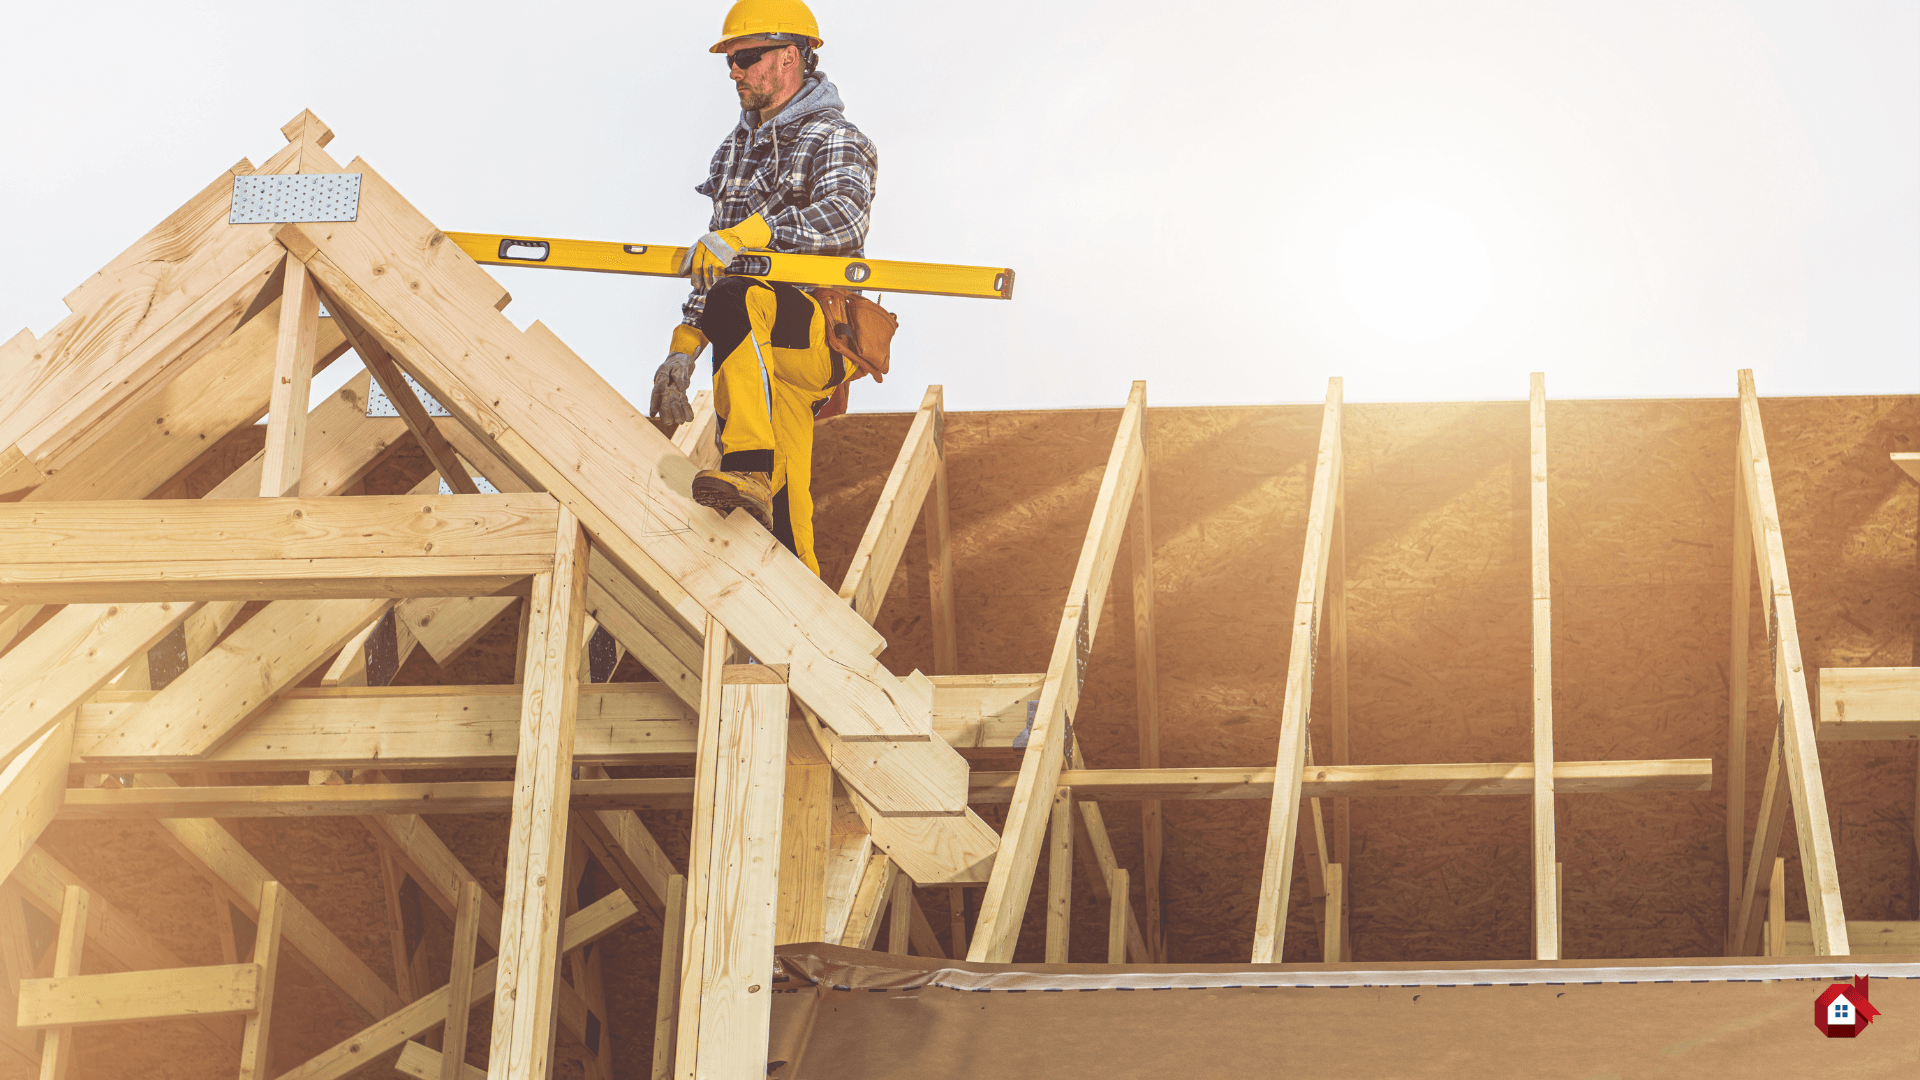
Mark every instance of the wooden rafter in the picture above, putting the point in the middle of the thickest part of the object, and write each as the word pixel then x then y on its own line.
pixel 1546 907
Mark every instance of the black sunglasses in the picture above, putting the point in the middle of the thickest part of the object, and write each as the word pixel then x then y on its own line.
pixel 746 58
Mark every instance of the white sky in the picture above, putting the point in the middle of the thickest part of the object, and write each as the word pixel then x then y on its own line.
pixel 1233 201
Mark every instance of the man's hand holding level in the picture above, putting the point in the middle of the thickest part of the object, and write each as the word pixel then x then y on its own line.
pixel 710 255
pixel 670 382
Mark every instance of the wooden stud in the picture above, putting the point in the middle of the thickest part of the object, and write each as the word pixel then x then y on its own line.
pixel 1146 689
pixel 900 917
pixel 936 519
pixel 1867 703
pixel 408 966
pixel 1777 910
pixel 666 1005
pixel 466 937
pixel 522 1038
pixel 1333 932
pixel 1276 875
pixel 255 1043
pixel 86 1000
pixel 1103 862
pixel 1799 749
pixel 424 1062
pixel 1119 895
pixel 1546 921
pixel 1766 844
pixel 957 918
pixel 901 498
pixel 734 991
pixel 1004 906
pixel 1060 878
pixel 1342 752
pixel 425 432
pixel 624 847
pixel 56 1052
pixel 850 852
pixel 717 651
pixel 869 902
pixel 292 373
pixel 1737 704
pixel 920 932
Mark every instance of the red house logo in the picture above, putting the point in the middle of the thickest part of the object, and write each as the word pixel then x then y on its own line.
pixel 1841 1011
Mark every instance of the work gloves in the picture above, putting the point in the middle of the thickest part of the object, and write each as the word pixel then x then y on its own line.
pixel 669 405
pixel 709 256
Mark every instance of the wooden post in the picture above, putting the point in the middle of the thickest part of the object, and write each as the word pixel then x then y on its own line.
pixel 1341 750
pixel 715 653
pixel 292 374
pixel 1146 690
pixel 734 990
pixel 1060 878
pixel 900 917
pixel 1333 933
pixel 466 936
pixel 1119 893
pixel 666 1006
pixel 56 1053
pixel 946 643
pixel 1737 704
pixel 255 1043
pixel 529 963
pixel 1546 917
pixel 1799 751
pixel 957 918
pixel 1777 909
pixel 1283 822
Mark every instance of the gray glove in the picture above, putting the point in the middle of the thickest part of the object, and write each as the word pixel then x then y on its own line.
pixel 670 403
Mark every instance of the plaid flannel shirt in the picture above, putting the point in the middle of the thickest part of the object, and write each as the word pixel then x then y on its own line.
pixel 808 171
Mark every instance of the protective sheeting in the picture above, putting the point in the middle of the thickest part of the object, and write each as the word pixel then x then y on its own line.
pixel 846 1014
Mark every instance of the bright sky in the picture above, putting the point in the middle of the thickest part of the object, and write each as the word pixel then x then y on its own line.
pixel 1231 200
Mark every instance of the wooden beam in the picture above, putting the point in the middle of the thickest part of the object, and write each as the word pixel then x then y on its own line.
pixel 1276 881
pixel 1146 696
pixel 255 1052
pixel 876 886
pixel 920 929
pixel 1908 462
pixel 732 990
pixel 1060 878
pixel 274 579
pixel 707 807
pixel 88 1000
pixel 1777 910
pixel 666 1009
pixel 900 917
pixel 56 1052
pixel 1546 919
pixel 294 355
pixel 1104 862
pixel 1342 753
pixel 360 800
pixel 1119 894
pixel 466 936
pixel 1004 907
pixel 1766 843
pixel 1334 933
pixel 696 439
pixel 1868 703
pixel 522 1041
pixel 381 366
pixel 934 515
pixel 427 1063
pixel 1799 748
pixel 1737 705
pixel 31 789
pixel 1372 781
pixel 389 1032
pixel 901 498
pixel 850 852
pixel 622 843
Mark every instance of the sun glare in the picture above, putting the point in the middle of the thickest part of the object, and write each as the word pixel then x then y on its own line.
pixel 1416 270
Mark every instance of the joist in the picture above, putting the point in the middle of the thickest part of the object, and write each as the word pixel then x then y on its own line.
pixel 1276 880
pixel 140 581
pixel 1361 781
pixel 89 1000
pixel 1004 906
pixel 1799 748
pixel 355 800
pixel 522 1039
pixel 1546 916
pixel 1868 703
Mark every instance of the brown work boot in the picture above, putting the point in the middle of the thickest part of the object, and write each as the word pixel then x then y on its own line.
pixel 750 491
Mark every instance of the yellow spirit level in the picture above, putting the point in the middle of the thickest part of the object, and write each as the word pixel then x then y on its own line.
pixel 654 260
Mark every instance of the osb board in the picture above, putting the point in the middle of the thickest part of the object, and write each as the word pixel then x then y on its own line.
pixel 1439 644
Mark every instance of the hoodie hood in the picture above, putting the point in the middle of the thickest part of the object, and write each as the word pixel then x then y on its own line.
pixel 816 94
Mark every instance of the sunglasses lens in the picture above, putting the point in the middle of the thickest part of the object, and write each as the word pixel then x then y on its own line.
pixel 746 58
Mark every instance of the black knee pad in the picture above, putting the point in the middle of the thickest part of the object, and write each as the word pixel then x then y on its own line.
pixel 724 320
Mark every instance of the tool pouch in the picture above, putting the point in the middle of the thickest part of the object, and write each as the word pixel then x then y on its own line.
pixel 858 329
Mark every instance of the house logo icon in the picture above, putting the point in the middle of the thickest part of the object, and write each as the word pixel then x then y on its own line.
pixel 1842 1010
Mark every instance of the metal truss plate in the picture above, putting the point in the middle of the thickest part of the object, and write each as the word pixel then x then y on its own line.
pixel 262 200
pixel 379 404
pixel 479 482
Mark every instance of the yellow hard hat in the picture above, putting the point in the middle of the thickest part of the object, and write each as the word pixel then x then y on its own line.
pixel 750 18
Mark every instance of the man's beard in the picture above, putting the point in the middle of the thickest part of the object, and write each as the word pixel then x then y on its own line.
pixel 753 100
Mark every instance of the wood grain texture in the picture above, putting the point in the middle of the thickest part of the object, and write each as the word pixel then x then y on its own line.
pixel 1546 908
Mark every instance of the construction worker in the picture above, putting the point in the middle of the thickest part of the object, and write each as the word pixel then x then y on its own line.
pixel 794 175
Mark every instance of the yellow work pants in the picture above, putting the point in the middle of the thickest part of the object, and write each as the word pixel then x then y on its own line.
pixel 771 372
